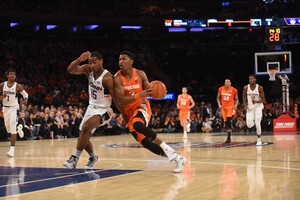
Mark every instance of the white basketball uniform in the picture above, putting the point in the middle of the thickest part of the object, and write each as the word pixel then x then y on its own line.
pixel 254 111
pixel 99 102
pixel 10 107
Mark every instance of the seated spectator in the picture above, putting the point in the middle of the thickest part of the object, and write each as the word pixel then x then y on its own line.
pixel 26 127
pixel 169 124
pixel 240 124
pixel 217 125
pixel 207 126
pixel 156 125
pixel 112 127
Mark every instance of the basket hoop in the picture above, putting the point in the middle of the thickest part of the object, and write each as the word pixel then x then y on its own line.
pixel 272 74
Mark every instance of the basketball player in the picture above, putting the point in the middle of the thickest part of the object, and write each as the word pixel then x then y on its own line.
pixel 132 90
pixel 185 103
pixel 9 90
pixel 253 101
pixel 99 111
pixel 228 100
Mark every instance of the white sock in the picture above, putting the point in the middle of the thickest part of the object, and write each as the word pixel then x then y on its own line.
pixel 92 154
pixel 12 149
pixel 164 146
pixel 77 153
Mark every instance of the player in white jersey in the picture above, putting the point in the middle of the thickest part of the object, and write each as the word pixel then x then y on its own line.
pixel 99 111
pixel 253 101
pixel 9 95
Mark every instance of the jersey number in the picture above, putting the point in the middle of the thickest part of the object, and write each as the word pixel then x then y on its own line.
pixel 94 93
pixel 226 98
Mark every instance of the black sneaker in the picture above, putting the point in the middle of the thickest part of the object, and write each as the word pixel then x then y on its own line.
pixel 91 163
pixel 72 162
pixel 228 140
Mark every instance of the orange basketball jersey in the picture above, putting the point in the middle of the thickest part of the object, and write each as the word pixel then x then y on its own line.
pixel 227 95
pixel 184 102
pixel 131 87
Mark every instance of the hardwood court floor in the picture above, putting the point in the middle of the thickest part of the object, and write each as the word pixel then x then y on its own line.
pixel 239 170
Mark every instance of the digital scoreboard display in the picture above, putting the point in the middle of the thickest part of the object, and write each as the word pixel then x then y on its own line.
pixel 274 35
pixel 253 22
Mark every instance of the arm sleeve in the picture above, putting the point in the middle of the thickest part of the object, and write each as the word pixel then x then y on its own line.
pixel 24 94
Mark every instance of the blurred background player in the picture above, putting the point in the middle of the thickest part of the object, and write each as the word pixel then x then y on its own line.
pixel 185 103
pixel 228 101
pixel 253 101
pixel 9 90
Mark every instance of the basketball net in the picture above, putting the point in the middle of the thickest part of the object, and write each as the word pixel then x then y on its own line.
pixel 272 74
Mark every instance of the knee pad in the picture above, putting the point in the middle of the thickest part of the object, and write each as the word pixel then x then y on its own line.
pixel 141 128
pixel 153 147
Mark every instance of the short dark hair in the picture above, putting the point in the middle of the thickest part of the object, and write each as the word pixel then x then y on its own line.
pixel 97 55
pixel 128 53
pixel 10 70
pixel 252 76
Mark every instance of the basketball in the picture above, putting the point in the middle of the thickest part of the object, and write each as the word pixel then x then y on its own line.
pixel 159 89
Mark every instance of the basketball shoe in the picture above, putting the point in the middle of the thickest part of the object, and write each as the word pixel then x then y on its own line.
pixel 258 143
pixel 188 126
pixel 91 163
pixel 72 162
pixel 184 136
pixel 20 130
pixel 228 140
pixel 10 154
pixel 181 162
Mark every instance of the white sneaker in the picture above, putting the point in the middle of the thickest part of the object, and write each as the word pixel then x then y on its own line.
pixel 184 136
pixel 91 163
pixel 188 127
pixel 10 154
pixel 181 162
pixel 20 130
pixel 258 143
pixel 72 162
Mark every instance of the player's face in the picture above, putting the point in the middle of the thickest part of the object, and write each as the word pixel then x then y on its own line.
pixel 95 63
pixel 11 76
pixel 252 79
pixel 125 62
pixel 227 83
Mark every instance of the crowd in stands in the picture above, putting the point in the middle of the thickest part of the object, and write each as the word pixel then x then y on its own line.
pixel 158 9
pixel 60 122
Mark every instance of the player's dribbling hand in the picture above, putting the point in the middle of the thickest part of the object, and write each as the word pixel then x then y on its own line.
pixel 145 93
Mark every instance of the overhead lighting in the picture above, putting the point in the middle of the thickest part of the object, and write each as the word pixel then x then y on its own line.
pixel 50 27
pixel 177 30
pixel 13 24
pixel 90 27
pixel 196 30
pixel 131 27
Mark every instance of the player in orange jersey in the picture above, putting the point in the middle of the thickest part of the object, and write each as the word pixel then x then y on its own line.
pixel 131 90
pixel 228 101
pixel 185 103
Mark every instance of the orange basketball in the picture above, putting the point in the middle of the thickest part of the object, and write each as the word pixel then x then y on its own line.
pixel 159 89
